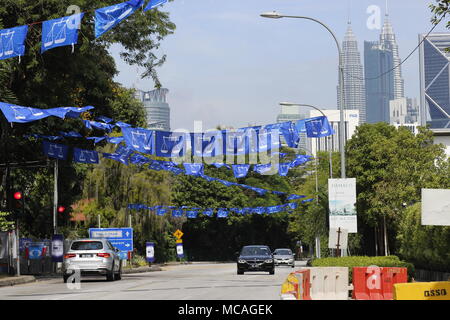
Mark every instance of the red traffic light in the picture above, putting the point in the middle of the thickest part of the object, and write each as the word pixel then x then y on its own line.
pixel 18 195
pixel 61 209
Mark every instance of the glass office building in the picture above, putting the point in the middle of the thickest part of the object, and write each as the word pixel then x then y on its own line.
pixel 435 80
pixel 156 108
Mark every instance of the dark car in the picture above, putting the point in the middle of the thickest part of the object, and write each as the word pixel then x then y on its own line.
pixel 255 258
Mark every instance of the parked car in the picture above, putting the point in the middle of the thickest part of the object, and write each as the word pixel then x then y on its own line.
pixel 92 257
pixel 284 257
pixel 255 258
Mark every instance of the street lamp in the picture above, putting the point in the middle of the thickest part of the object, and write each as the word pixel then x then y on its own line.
pixel 311 106
pixel 276 15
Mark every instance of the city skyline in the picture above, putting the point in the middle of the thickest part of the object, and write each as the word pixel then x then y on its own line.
pixel 231 69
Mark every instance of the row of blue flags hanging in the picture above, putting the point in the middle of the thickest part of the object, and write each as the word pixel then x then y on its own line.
pixel 64 31
pixel 191 212
pixel 126 156
pixel 239 142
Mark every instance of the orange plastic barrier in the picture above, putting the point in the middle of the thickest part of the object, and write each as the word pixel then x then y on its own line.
pixel 306 284
pixel 375 283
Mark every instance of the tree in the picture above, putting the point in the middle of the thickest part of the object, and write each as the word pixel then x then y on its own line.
pixel 390 166
pixel 62 78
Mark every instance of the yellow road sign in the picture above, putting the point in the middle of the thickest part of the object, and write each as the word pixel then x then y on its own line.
pixel 179 241
pixel 178 234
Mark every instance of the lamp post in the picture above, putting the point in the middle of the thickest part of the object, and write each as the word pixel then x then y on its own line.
pixel 311 106
pixel 276 15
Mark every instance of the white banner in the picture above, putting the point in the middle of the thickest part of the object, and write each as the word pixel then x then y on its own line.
pixel 342 204
pixel 436 207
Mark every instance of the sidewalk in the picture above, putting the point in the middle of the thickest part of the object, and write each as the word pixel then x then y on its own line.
pixel 11 281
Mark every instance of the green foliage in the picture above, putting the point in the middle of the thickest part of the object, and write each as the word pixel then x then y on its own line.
pixel 440 11
pixel 5 225
pixel 426 246
pixel 391 166
pixel 363 261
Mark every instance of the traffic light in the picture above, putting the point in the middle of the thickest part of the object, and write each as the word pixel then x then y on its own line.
pixel 18 200
pixel 61 209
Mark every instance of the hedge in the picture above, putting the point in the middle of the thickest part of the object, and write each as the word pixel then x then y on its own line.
pixel 363 261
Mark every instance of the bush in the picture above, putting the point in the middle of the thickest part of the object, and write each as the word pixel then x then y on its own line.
pixel 138 261
pixel 363 261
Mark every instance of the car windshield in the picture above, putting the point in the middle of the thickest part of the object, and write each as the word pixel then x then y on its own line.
pixel 255 251
pixel 283 252
pixel 87 245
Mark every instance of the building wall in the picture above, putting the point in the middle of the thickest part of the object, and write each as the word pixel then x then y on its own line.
pixel 156 108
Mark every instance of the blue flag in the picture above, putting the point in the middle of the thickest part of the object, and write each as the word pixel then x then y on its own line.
pixel 318 127
pixel 139 139
pixel 177 213
pixel 12 42
pixel 258 210
pixel 240 170
pixel 161 211
pixel 307 200
pixel 20 114
pixel 191 213
pixel 60 32
pixel 115 140
pixel 108 17
pixel 105 119
pixel 98 125
pixel 85 156
pixel 293 205
pixel 262 168
pixel 283 169
pixel 96 139
pixel 56 151
pixel 193 169
pixel 153 4
pixel 222 213
pixel 294 197
pixel 208 212
pixel 169 144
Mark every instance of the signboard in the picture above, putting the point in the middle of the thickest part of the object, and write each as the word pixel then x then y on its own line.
pixel 150 251
pixel 120 238
pixel 23 243
pixel 36 250
pixel 57 248
pixel 342 204
pixel 178 234
pixel 180 252
pixel 338 236
pixel 436 207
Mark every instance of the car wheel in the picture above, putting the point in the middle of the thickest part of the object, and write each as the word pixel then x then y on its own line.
pixel 118 275
pixel 240 272
pixel 65 278
pixel 272 271
pixel 110 275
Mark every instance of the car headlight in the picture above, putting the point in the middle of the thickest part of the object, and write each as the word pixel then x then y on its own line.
pixel 269 261
pixel 242 261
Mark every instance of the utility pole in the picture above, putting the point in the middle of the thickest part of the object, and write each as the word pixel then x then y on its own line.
pixel 55 197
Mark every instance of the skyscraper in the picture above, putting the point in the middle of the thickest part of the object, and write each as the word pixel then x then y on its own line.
pixel 435 80
pixel 156 108
pixel 383 74
pixel 354 88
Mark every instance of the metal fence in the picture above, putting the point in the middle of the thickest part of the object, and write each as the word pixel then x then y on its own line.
pixel 30 262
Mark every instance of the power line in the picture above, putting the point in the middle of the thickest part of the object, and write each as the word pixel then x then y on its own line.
pixel 403 61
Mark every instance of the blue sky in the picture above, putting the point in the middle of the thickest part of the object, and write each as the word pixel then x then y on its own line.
pixel 227 65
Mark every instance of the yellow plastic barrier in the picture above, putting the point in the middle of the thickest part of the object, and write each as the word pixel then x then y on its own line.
pixel 291 286
pixel 422 291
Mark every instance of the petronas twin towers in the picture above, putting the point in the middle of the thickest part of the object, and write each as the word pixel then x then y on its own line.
pixel 370 89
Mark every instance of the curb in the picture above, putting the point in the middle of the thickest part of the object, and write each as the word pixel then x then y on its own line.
pixel 141 270
pixel 11 281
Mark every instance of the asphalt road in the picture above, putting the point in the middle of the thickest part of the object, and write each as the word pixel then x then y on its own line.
pixel 177 282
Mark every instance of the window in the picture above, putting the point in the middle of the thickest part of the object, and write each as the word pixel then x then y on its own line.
pixel 87 245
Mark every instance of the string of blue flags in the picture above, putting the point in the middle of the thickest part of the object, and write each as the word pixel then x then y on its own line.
pixel 192 212
pixel 64 31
